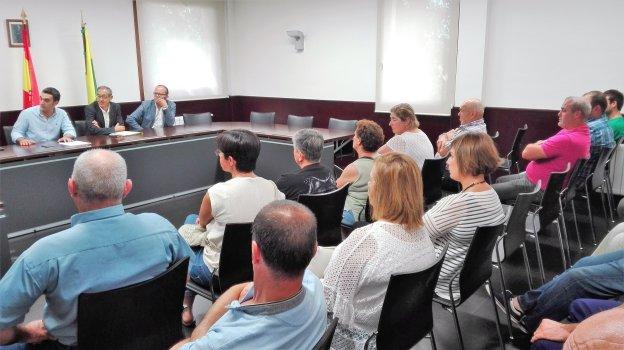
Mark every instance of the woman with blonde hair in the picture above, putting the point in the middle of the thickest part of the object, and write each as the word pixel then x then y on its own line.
pixel 408 138
pixel 455 218
pixel 358 274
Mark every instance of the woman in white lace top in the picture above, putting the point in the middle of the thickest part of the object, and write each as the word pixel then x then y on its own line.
pixel 455 218
pixel 408 138
pixel 358 274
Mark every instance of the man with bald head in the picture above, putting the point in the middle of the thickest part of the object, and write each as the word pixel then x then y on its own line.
pixel 470 119
pixel 156 113
pixel 103 249
pixel 569 145
pixel 284 307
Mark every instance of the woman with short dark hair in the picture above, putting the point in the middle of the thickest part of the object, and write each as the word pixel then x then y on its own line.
pixel 237 200
pixel 455 218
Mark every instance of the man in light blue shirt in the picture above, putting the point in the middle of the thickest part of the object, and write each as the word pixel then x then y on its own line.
pixel 44 122
pixel 284 307
pixel 103 249
pixel 156 113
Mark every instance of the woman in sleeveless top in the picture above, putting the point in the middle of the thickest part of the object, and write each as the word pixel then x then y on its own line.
pixel 366 141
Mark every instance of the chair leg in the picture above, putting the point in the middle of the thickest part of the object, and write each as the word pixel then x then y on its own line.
pixel 561 244
pixel 610 199
pixel 498 331
pixel 591 217
pixel 459 335
pixel 604 207
pixel 538 251
pixel 527 267
pixel 504 288
pixel 432 340
pixel 578 233
pixel 562 224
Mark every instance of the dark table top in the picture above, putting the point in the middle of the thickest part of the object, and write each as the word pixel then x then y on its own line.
pixel 12 153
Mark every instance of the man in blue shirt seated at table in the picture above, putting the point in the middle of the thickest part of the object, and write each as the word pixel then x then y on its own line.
pixel 284 307
pixel 44 122
pixel 155 113
pixel 103 249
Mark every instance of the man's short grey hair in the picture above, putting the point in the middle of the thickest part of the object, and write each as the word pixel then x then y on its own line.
pixel 106 88
pixel 476 106
pixel 100 175
pixel 310 143
pixel 578 104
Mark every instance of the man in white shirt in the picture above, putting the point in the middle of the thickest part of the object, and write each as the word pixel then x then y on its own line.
pixel 103 117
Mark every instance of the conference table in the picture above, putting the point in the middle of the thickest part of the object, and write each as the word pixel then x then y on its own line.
pixel 163 163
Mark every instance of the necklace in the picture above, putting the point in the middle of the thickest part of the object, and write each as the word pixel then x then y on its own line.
pixel 472 184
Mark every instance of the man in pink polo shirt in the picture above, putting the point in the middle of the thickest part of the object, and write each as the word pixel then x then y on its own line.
pixel 570 144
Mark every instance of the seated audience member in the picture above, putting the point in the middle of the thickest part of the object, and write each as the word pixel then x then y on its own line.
pixel 44 122
pixel 614 108
pixel 614 240
pixel 408 138
pixel 367 139
pixel 103 249
pixel 596 277
pixel 237 200
pixel 595 324
pixel 569 145
pixel 470 120
pixel 283 307
pixel 359 271
pixel 155 113
pixel 455 218
pixel 103 117
pixel 601 135
pixel 313 177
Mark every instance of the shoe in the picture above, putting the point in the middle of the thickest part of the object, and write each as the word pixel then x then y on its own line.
pixel 515 317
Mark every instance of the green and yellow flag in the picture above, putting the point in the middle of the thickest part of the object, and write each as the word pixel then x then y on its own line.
pixel 89 72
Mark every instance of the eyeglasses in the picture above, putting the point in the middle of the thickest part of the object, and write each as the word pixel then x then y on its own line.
pixel 159 94
pixel 103 96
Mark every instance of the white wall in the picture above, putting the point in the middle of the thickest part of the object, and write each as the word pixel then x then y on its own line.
pixel 538 52
pixel 56 49
pixel 338 62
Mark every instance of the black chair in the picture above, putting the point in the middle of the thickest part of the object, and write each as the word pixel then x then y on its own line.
pixel 234 262
pixel 569 193
pixel 495 135
pixel 325 342
pixel 259 118
pixel 406 315
pixel 327 207
pixel 368 211
pixel 145 315
pixel 432 172
pixel 514 237
pixel 197 118
pixel 342 125
pixel 513 157
pixel 7 134
pixel 476 270
pixel 81 127
pixel 549 212
pixel 297 122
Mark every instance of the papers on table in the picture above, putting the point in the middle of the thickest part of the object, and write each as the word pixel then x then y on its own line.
pixel 125 133
pixel 75 143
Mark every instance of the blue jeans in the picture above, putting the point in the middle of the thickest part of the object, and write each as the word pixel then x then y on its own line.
pixel 597 277
pixel 580 309
pixel 348 218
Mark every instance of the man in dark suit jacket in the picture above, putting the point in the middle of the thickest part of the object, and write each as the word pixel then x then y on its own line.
pixel 103 117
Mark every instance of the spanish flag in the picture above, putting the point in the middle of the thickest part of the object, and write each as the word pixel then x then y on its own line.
pixel 30 91
pixel 89 72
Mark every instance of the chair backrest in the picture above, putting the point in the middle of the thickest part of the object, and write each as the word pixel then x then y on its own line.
pixel 516 225
pixel 477 267
pixel 298 122
pixel 550 200
pixel 431 173
pixel 81 127
pixel 601 167
pixel 514 152
pixel 406 315
pixel 327 207
pixel 572 181
pixel 325 342
pixel 341 124
pixel 259 118
pixel 145 315
pixel 235 260
pixel 7 134
pixel 368 211
pixel 197 118
pixel 495 135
